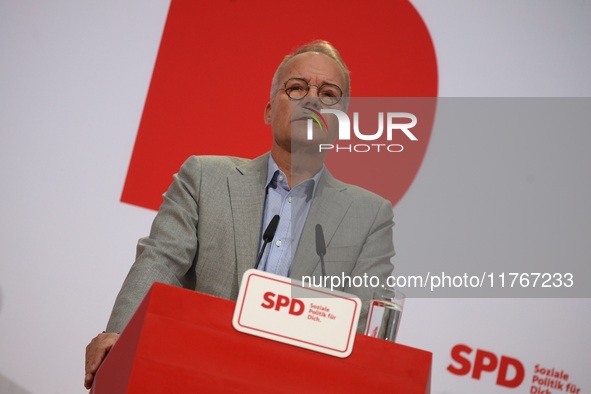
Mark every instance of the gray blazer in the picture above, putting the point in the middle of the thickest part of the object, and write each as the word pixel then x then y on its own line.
pixel 207 231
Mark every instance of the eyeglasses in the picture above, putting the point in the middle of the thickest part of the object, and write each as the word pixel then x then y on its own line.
pixel 297 89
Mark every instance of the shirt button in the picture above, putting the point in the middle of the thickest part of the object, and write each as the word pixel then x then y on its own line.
pixel 278 242
pixel 289 199
pixel 280 177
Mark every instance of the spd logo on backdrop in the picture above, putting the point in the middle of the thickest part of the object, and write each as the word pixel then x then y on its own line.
pixel 510 372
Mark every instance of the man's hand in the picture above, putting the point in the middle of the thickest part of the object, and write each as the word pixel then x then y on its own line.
pixel 96 351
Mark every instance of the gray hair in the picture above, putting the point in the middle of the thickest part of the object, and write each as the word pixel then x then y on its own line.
pixel 317 46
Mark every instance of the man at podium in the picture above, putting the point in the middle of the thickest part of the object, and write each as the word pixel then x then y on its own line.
pixel 218 213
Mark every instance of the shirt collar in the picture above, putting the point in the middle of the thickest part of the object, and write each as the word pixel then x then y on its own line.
pixel 273 173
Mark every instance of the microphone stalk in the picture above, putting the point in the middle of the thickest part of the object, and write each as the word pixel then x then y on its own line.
pixel 268 236
pixel 321 248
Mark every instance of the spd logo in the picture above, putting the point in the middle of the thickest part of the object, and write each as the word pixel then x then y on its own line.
pixel 508 370
pixel 278 301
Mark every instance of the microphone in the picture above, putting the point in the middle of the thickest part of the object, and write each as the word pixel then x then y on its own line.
pixel 320 247
pixel 267 237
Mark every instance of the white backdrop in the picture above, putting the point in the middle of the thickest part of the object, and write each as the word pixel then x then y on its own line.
pixel 73 80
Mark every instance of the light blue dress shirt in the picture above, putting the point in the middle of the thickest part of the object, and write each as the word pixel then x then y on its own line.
pixel 292 206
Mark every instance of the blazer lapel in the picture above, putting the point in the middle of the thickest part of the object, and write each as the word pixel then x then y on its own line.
pixel 247 198
pixel 328 209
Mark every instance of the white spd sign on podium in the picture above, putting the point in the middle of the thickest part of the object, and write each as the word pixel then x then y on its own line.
pixel 281 309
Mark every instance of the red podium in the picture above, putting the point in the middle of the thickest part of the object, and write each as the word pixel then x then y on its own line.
pixel 181 341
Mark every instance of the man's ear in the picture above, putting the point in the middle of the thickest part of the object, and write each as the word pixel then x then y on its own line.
pixel 268 113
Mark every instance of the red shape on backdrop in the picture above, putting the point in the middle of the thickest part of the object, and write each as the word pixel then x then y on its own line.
pixel 213 72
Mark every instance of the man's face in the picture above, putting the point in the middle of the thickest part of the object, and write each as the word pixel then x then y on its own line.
pixel 288 118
